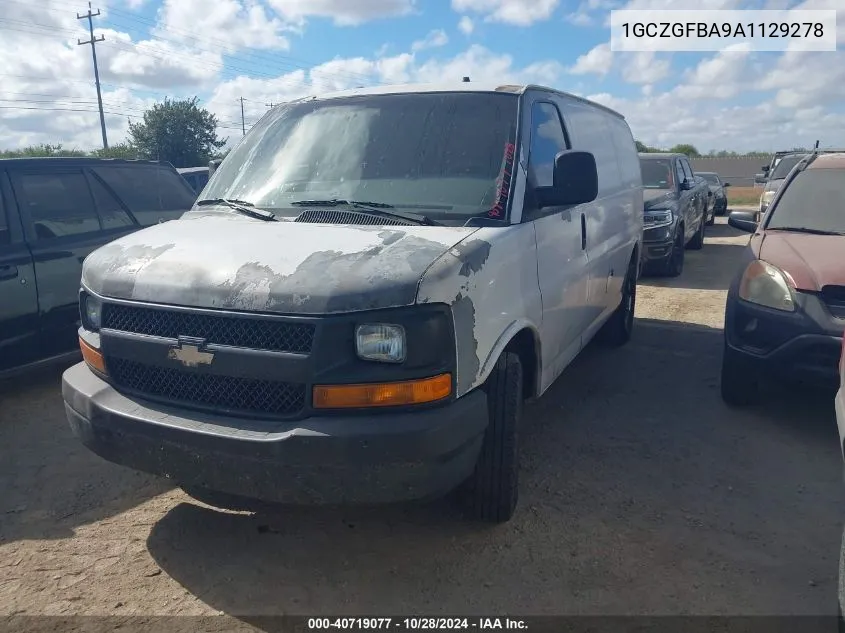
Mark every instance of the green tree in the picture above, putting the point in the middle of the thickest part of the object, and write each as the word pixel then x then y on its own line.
pixel 121 150
pixel 686 148
pixel 642 148
pixel 179 132
pixel 42 150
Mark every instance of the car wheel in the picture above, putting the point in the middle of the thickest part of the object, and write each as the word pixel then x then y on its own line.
pixel 697 241
pixel 491 493
pixel 617 331
pixel 674 265
pixel 739 385
pixel 223 500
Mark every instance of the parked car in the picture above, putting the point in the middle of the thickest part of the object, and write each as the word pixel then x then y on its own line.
pixel 364 324
pixel 675 212
pixel 53 213
pixel 717 188
pixel 197 177
pixel 785 311
pixel 761 178
pixel 776 178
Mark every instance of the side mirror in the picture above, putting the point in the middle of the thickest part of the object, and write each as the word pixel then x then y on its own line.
pixel 575 180
pixel 743 220
pixel 686 185
pixel 726 184
pixel 765 169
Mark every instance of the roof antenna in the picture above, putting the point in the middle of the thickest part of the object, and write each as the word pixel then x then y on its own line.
pixel 466 80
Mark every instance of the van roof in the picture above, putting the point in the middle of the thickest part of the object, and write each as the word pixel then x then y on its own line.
pixel 42 161
pixel 468 86
pixel 828 161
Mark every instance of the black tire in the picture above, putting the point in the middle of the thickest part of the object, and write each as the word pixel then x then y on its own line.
pixel 618 328
pixel 492 491
pixel 674 264
pixel 223 500
pixel 739 385
pixel 697 241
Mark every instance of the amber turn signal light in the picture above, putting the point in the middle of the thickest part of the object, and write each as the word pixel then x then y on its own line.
pixel 389 394
pixel 92 356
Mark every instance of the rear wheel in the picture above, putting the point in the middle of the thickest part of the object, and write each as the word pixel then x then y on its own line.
pixel 739 385
pixel 617 331
pixel 491 493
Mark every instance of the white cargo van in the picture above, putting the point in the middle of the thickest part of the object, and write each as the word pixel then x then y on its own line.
pixel 371 286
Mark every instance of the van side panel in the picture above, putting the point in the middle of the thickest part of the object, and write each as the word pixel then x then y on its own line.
pixel 614 219
pixel 490 281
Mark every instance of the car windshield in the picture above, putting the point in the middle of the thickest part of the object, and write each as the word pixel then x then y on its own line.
pixel 814 200
pixel 657 174
pixel 711 179
pixel 439 153
pixel 785 166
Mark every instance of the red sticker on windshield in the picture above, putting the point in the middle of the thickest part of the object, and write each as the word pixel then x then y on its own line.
pixel 503 183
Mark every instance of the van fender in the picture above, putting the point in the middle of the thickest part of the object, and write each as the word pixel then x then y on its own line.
pixel 501 345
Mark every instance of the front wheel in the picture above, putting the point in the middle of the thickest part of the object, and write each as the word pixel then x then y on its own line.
pixel 674 265
pixel 697 241
pixel 491 493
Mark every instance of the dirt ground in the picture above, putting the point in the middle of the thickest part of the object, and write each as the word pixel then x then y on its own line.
pixel 642 493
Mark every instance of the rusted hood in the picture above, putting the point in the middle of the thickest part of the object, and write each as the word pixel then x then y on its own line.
pixel 813 261
pixel 229 261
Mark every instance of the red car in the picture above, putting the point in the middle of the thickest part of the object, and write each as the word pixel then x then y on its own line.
pixel 785 311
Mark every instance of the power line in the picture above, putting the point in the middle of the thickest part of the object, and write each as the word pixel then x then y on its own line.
pixel 93 42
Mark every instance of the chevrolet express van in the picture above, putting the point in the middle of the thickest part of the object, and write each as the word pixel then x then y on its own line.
pixel 371 286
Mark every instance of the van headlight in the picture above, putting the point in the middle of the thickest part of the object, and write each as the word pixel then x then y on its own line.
pixel 380 342
pixel 768 286
pixel 768 196
pixel 91 312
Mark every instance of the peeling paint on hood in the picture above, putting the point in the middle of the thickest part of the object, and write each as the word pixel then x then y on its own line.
pixel 295 268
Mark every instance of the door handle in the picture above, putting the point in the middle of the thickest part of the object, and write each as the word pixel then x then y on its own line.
pixel 583 232
pixel 8 272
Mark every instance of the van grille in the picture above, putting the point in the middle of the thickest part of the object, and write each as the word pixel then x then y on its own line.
pixel 223 329
pixel 244 396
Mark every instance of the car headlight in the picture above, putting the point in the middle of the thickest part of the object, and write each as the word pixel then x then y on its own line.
pixel 768 286
pixel 92 312
pixel 656 219
pixel 380 342
pixel 768 196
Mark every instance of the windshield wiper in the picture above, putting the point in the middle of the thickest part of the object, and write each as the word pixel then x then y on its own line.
pixel 804 229
pixel 241 206
pixel 373 208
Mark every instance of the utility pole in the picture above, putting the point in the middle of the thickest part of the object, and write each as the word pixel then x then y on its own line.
pixel 93 42
pixel 243 121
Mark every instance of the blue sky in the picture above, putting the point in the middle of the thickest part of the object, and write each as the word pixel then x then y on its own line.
pixel 273 50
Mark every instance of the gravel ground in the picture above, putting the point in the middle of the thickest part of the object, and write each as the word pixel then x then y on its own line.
pixel 641 494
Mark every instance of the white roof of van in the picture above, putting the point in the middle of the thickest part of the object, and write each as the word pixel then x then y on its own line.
pixel 468 86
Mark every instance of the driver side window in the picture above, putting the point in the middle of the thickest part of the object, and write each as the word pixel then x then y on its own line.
pixel 679 173
pixel 547 140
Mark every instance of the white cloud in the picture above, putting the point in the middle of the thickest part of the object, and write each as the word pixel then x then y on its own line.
pixel 579 18
pixel 644 68
pixel 343 12
pixel 434 39
pixel 466 25
pixel 597 61
pixel 517 12
pixel 230 23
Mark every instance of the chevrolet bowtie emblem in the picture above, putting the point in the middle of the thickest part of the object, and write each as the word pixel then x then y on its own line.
pixel 189 353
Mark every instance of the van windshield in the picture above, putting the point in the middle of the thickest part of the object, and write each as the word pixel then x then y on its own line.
pixel 439 153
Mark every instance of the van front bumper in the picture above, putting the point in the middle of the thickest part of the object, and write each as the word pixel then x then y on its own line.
pixel 348 459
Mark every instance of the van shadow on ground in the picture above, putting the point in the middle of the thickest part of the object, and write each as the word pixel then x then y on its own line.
pixel 641 492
